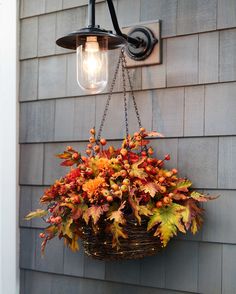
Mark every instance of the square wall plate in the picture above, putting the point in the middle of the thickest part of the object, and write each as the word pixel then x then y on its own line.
pixel 156 56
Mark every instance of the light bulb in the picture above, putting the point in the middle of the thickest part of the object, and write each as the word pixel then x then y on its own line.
pixel 92 65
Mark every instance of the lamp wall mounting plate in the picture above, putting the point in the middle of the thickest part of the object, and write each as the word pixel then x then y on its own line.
pixel 149 41
pixel 153 53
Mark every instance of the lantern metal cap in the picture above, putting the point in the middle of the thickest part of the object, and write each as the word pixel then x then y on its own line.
pixel 77 38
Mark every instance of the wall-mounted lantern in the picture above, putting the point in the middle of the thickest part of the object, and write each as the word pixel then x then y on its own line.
pixel 92 44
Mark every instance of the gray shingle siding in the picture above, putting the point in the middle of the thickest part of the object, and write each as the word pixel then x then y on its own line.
pixel 190 98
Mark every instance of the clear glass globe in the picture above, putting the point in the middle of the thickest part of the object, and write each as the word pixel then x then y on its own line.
pixel 92 65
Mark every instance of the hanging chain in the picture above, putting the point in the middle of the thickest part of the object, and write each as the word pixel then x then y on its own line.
pixel 109 98
pixel 125 96
pixel 123 63
pixel 124 66
pixel 132 90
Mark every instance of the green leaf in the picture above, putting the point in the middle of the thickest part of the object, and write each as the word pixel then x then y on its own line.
pixel 168 221
pixel 201 197
pixel 183 185
pixel 36 213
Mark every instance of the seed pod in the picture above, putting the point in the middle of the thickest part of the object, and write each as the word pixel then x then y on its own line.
pixel 92 131
pixel 103 141
pixel 159 204
pixel 96 148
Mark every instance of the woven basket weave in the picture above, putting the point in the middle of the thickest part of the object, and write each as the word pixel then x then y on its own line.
pixel 139 243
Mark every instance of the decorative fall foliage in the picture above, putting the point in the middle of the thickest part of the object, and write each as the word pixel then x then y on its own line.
pixel 108 184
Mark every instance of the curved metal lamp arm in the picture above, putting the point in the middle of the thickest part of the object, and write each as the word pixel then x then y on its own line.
pixel 140 40
pixel 91 21
pixel 116 26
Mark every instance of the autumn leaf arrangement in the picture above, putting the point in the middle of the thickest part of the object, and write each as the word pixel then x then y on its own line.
pixel 108 186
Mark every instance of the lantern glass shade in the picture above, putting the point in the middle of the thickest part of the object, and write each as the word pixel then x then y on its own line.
pixel 92 64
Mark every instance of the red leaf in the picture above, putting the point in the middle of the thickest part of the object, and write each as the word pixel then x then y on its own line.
pixel 195 212
pixel 68 162
pixel 144 142
pixel 95 212
pixel 133 157
pixel 77 213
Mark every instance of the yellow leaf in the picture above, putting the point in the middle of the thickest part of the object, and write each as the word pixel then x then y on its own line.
pixel 74 245
pixel 117 215
pixel 69 205
pixel 51 231
pixel 64 155
pixel 36 213
pixel 183 185
pixel 117 232
pixel 196 224
pixel 138 172
pixel 194 227
pixel 144 210
pixel 168 221
pixel 186 216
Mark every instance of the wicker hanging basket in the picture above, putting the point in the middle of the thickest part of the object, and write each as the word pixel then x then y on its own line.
pixel 139 243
